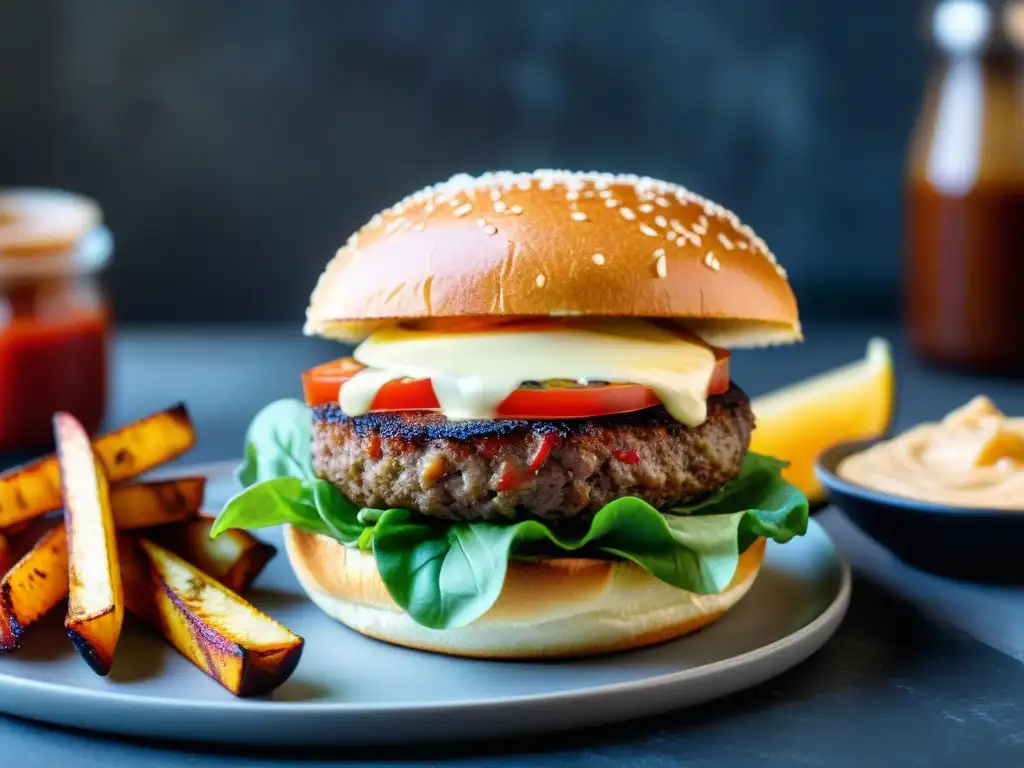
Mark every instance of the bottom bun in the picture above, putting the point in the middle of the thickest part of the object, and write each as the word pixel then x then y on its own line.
pixel 554 608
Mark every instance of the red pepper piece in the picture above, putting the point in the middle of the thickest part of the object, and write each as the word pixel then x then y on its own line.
pixel 373 450
pixel 543 451
pixel 627 457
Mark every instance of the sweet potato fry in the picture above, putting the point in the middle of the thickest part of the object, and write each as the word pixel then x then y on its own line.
pixel 40 550
pixel 141 505
pixel 237 645
pixel 96 599
pixel 33 585
pixel 235 558
pixel 34 489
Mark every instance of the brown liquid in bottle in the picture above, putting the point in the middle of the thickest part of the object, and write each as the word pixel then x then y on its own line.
pixel 964 273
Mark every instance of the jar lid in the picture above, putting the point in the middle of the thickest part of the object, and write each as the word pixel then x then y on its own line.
pixel 48 233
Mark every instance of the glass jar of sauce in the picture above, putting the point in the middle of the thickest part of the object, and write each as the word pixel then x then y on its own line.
pixel 964 264
pixel 54 316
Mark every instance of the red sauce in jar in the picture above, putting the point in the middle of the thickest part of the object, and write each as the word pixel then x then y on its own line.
pixel 50 364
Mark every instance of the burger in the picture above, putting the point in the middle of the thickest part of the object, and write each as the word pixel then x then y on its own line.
pixel 535 448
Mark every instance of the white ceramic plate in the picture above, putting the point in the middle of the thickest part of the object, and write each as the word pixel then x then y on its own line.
pixel 348 689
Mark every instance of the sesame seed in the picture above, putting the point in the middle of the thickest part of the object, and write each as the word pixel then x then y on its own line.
pixel 711 261
pixel 725 241
pixel 645 208
pixel 661 201
pixel 627 213
pixel 546 183
pixel 672 234
pixel 515 210
pixel 742 244
pixel 695 239
pixel 499 206
pixel 598 258
pixel 659 252
pixel 578 216
pixel 495 195
pixel 661 221
pixel 610 203
pixel 649 231
pixel 524 184
pixel 490 229
pixel 703 221
pixel 428 208
pixel 605 193
pixel 454 202
pixel 481 222
pixel 660 266
pixel 572 195
pixel 700 229
pixel 541 280
pixel 677 226
pixel 462 210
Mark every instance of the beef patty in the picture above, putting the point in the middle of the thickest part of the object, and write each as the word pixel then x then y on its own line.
pixel 508 469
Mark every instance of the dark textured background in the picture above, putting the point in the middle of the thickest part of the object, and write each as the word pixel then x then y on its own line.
pixel 235 143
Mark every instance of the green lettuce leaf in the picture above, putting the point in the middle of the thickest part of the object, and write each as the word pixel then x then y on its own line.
pixel 278 444
pixel 315 506
pixel 781 507
pixel 447 575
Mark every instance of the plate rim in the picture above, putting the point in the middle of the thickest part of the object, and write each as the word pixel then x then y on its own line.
pixel 822 627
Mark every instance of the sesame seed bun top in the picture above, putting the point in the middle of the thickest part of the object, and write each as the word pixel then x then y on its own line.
pixel 557 243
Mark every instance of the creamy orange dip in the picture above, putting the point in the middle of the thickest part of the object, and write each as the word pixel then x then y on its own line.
pixel 974 457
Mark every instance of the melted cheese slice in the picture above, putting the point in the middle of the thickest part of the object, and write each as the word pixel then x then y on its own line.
pixel 472 372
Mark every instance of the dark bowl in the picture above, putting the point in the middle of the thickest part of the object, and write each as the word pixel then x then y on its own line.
pixel 970 543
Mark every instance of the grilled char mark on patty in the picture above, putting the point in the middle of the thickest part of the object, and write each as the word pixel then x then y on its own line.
pixel 509 469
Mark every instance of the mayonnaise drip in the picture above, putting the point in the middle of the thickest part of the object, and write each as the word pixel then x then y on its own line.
pixel 472 372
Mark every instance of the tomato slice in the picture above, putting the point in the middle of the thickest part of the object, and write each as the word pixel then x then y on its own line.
pixel 322 384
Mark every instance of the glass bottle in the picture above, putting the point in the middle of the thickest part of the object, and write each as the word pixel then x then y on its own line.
pixel 964 250
pixel 54 320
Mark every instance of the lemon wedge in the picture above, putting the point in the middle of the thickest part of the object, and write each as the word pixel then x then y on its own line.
pixel 797 422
